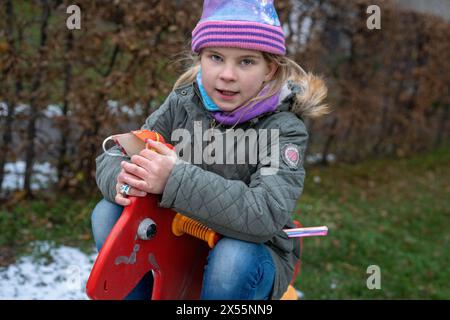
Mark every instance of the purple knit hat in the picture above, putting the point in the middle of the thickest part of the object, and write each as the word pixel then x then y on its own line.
pixel 246 24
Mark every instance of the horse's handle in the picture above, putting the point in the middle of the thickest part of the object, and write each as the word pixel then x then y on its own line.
pixel 182 224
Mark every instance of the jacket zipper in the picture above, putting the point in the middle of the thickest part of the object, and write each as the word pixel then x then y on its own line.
pixel 212 123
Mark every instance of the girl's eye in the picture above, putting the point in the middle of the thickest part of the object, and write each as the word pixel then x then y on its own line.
pixel 247 62
pixel 215 57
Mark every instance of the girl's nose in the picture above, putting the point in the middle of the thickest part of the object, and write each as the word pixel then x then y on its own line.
pixel 228 73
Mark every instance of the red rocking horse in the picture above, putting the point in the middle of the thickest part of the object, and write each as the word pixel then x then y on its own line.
pixel 151 238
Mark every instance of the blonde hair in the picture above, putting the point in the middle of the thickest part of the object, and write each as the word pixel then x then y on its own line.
pixel 309 100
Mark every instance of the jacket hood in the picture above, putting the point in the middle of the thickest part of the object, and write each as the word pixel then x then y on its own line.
pixel 305 95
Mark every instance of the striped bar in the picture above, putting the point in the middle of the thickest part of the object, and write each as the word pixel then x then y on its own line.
pixel 239 34
pixel 306 232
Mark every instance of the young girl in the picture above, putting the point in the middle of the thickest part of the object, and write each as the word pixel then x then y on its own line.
pixel 240 83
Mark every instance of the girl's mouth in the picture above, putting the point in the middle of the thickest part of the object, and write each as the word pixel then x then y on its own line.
pixel 226 95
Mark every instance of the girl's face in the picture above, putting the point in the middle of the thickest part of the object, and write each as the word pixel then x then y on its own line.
pixel 233 76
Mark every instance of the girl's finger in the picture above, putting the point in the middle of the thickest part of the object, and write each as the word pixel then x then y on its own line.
pixel 144 158
pixel 121 200
pixel 159 147
pixel 137 169
pixel 136 192
pixel 122 174
pixel 134 183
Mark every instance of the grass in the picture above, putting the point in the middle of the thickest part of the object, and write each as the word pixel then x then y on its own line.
pixel 392 213
pixel 61 221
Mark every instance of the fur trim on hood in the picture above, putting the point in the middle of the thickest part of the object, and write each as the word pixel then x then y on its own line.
pixel 307 93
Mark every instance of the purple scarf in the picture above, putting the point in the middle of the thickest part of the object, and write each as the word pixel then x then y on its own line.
pixel 249 110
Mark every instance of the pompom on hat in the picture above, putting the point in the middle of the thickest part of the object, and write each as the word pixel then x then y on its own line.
pixel 245 24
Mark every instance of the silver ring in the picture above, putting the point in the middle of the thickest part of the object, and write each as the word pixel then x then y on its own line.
pixel 124 189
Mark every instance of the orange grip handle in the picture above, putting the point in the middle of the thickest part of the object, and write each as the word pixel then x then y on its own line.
pixel 182 224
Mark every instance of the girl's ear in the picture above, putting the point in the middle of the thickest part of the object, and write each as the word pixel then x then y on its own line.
pixel 272 68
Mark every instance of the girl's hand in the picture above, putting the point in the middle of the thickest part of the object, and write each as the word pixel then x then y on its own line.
pixel 120 198
pixel 150 170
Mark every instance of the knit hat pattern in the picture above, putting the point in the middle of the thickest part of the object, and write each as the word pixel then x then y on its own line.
pixel 245 24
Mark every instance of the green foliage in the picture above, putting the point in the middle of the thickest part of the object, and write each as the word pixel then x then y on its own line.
pixel 62 220
pixel 387 212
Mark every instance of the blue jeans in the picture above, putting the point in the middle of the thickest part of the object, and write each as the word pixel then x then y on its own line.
pixel 235 269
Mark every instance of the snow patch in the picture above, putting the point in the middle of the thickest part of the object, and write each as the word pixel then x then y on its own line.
pixel 317 158
pixel 50 273
pixel 43 175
